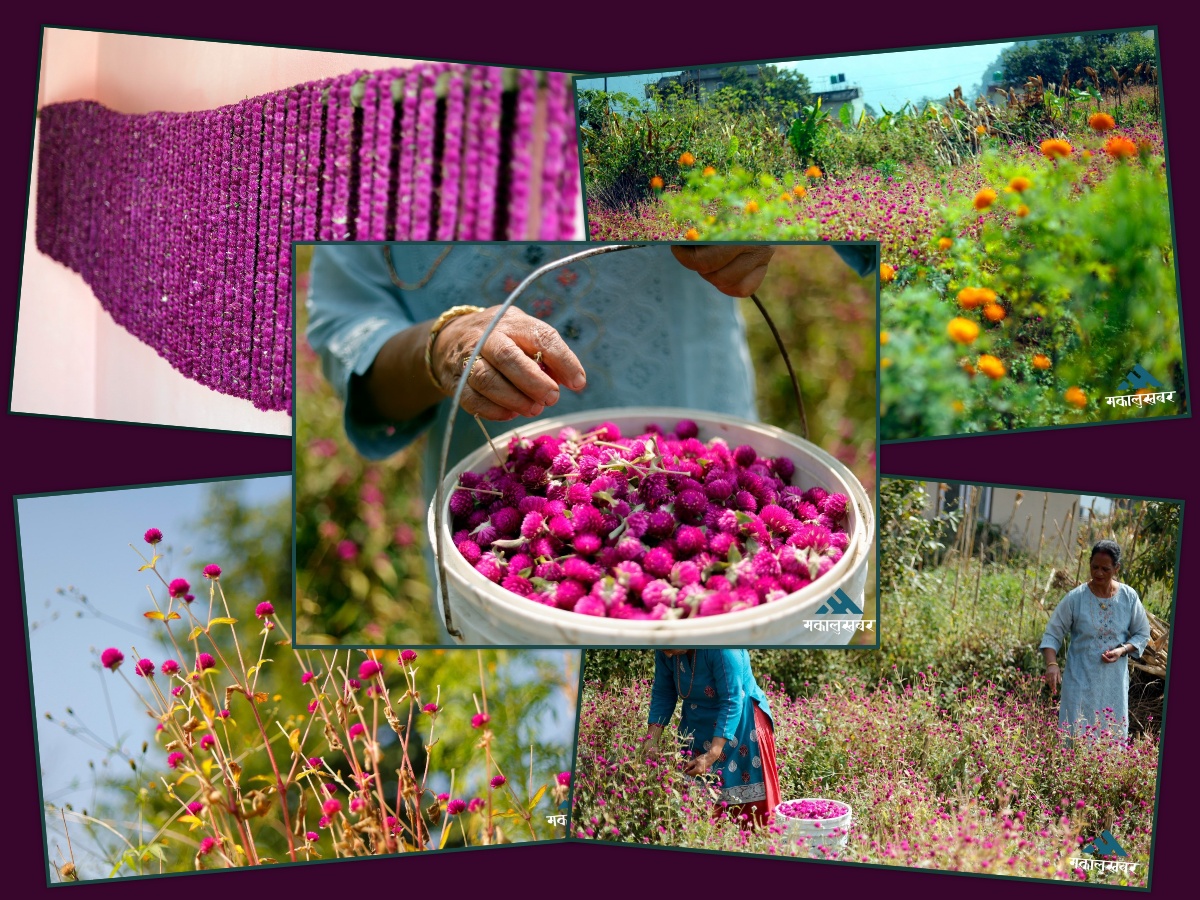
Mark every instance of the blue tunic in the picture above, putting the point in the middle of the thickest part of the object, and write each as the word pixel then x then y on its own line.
pixel 1091 688
pixel 718 696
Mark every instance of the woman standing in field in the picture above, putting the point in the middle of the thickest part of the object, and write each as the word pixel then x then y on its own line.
pixel 1105 621
pixel 728 721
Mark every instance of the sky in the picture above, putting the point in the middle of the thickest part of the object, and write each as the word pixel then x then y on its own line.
pixel 887 79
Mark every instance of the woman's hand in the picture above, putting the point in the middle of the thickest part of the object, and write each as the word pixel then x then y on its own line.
pixel 732 269
pixel 1053 677
pixel 1111 656
pixel 698 765
pixel 506 380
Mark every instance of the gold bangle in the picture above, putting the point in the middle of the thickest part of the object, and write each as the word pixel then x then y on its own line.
pixel 438 324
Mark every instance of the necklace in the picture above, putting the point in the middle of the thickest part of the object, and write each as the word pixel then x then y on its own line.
pixel 1099 599
pixel 678 672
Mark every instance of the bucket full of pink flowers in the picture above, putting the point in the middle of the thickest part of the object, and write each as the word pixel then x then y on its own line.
pixel 823 825
pixel 652 525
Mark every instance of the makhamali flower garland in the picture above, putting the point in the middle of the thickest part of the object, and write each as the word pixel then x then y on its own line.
pixel 182 223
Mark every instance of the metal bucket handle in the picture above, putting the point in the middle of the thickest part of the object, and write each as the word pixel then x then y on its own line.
pixel 456 400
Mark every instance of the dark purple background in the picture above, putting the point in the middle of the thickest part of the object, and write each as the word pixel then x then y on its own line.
pixel 54 455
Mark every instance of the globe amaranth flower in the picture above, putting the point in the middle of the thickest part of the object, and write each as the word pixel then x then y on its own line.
pixel 204 661
pixel 178 588
pixel 964 331
pixel 1101 122
pixel 564 778
pixel 407 656
pixel 430 708
pixel 331 807
pixel 497 781
pixel 1076 397
pixel 112 658
pixel 307 677
pixel 169 667
pixel 476 804
pixel 311 836
pixel 153 536
pixel 174 759
pixel 480 719
pixel 369 669
pixel 264 609
pixel 207 845
pixel 145 668
pixel 223 713
pixel 455 806
pixel 212 571
pixel 207 742
pixel 357 730
pixel 195 807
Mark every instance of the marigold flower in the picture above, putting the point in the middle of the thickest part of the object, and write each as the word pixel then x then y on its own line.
pixel 886 273
pixel 1075 397
pixel 985 198
pixel 883 338
pixel 1022 211
pixel 800 191
pixel 709 171
pixel 990 366
pixel 686 159
pixel 1120 147
pixel 885 363
pixel 994 312
pixel 212 571
pixel 1086 154
pixel 971 297
pixel 981 129
pixel 962 330
pixel 152 536
pixel 656 183
pixel 1041 361
pixel 751 207
pixel 145 668
pixel 112 658
pixel 691 235
pixel 178 587
pixel 958 406
pixel 945 243
pixel 1020 184
pixel 1054 148
pixel 1101 122
pixel 812 172
pixel 786 197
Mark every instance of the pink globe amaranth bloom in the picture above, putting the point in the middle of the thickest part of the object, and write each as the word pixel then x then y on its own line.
pixel 564 778
pixel 153 536
pixel 112 658
pixel 357 730
pixel 347 550
pixel 174 759
pixel 195 807
pixel 430 708
pixel 207 742
pixel 357 803
pixel 316 762
pixel 307 677
pixel 331 807
pixel 480 719
pixel 476 804
pixel 407 656
pixel 312 707
pixel 497 781
pixel 145 668
pixel 224 714
pixel 178 690
pixel 204 661
pixel 188 598
pixel 455 806
pixel 323 822
pixel 369 669
pixel 178 588
pixel 264 609
pixel 311 836
pixel 212 571
pixel 169 667
pixel 207 845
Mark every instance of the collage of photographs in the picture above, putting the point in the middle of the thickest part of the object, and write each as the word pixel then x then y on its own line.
pixel 481 453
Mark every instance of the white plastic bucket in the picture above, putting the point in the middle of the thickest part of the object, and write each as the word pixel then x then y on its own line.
pixel 486 613
pixel 830 834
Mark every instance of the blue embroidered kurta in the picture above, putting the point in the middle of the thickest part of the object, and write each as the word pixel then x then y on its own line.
pixel 718 696
pixel 1091 688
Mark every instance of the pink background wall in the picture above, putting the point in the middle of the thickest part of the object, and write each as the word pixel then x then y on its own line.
pixel 71 358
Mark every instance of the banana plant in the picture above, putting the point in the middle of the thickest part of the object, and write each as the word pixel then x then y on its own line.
pixel 805 130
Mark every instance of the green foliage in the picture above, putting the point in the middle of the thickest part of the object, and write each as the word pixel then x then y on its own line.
pixel 612 667
pixel 804 135
pixel 1049 59
pixel 906 534
pixel 1153 559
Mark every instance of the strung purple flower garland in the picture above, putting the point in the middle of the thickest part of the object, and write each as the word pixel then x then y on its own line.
pixel 182 223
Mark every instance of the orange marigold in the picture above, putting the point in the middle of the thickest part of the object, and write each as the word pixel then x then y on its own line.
pixel 994 312
pixel 1075 397
pixel 958 406
pixel 1055 147
pixel 812 172
pixel 691 235
pixel 656 183
pixel 1041 361
pixel 800 191
pixel 751 206
pixel 1022 211
pixel 990 366
pixel 884 363
pixel 981 129
pixel 962 330
pixel 1120 147
pixel 1020 184
pixel 1086 154
pixel 985 198
pixel 884 337
pixel 709 171
pixel 971 297
pixel 886 273
pixel 945 243
pixel 1101 122
pixel 686 159
pixel 786 197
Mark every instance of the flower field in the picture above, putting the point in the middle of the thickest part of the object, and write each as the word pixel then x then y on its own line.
pixel 1028 262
